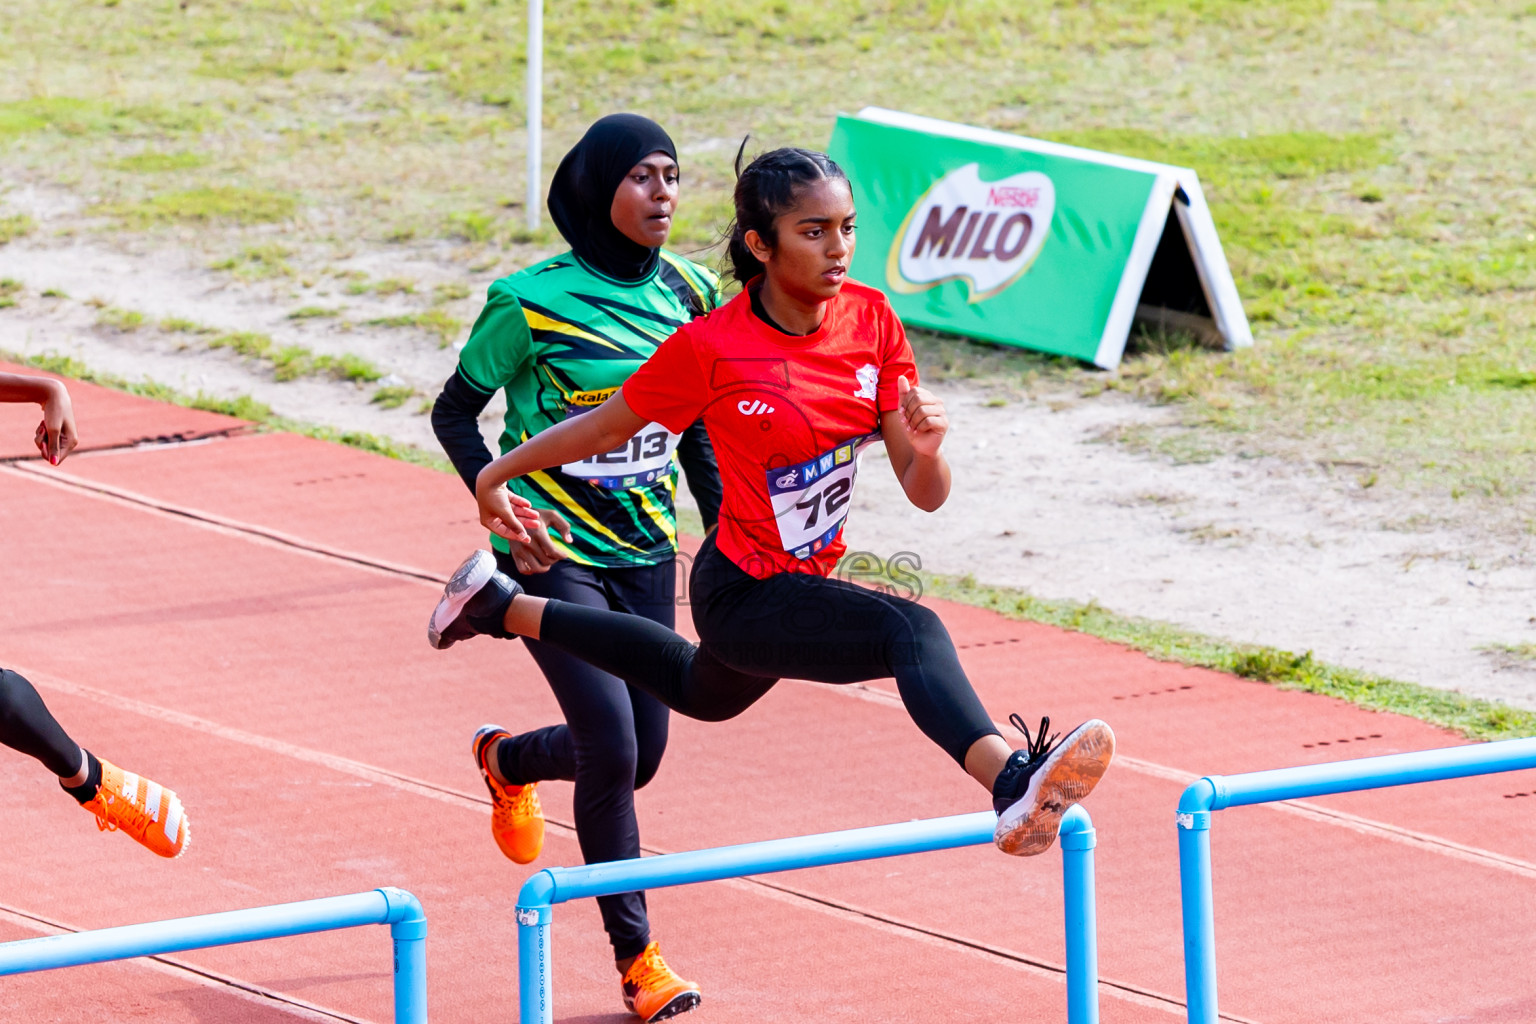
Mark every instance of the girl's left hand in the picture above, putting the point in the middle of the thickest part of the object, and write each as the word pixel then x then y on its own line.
pixel 56 436
pixel 504 513
pixel 924 417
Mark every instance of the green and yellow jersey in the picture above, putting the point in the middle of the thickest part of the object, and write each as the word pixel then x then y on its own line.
pixel 558 338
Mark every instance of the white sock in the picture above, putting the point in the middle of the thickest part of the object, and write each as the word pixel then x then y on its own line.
pixel 78 779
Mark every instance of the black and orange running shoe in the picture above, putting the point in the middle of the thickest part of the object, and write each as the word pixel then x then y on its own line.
pixel 517 817
pixel 145 810
pixel 653 991
pixel 1041 781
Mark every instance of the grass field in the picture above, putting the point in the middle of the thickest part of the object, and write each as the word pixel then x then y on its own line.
pixel 1367 164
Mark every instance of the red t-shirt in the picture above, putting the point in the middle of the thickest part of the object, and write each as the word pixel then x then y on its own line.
pixel 787 415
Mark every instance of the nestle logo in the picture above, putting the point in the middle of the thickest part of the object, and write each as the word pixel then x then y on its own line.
pixel 1022 198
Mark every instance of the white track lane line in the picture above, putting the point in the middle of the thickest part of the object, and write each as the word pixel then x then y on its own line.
pixel 274 538
pixel 212 521
pixel 286 542
pixel 1300 808
pixel 804 899
pixel 248 991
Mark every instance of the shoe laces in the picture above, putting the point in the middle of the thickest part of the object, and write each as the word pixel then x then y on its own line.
pixel 1038 746
pixel 118 811
pixel 650 970
pixel 527 800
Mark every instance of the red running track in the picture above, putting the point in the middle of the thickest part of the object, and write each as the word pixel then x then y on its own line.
pixel 242 618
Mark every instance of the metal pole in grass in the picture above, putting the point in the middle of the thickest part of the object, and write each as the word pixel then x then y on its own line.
pixel 1078 839
pixel 534 198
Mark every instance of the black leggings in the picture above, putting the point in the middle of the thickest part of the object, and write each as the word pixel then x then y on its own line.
pixel 27 726
pixel 755 631
pixel 613 736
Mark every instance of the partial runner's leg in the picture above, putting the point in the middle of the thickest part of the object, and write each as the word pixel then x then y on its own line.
pixel 757 630
pixel 610 736
pixel 754 632
pixel 120 800
pixel 27 725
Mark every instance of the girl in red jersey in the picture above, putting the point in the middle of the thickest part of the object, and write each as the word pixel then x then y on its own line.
pixel 792 377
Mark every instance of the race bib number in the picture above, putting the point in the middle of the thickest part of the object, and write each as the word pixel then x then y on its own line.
pixel 638 462
pixel 810 500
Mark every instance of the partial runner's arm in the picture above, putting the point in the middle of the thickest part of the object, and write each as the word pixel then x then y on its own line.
pixel 456 422
pixel 913 434
pixel 696 453
pixel 603 429
pixel 56 436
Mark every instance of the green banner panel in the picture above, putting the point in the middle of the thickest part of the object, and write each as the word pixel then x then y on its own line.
pixel 1008 239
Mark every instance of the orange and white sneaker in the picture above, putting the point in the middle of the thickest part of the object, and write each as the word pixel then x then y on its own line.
pixel 145 810
pixel 517 817
pixel 653 991
pixel 1041 782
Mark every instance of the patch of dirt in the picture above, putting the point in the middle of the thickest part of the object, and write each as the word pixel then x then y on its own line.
pixel 1250 550
pixel 1262 550
pixel 163 283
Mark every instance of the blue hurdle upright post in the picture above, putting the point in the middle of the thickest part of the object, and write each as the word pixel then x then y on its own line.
pixel 1078 839
pixel 1217 792
pixel 394 907
pixel 540 893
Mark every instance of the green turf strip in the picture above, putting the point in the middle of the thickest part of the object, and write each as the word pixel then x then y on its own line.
pixel 1473 717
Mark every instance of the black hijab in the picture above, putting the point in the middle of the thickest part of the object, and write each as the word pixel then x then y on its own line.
pixel 581 194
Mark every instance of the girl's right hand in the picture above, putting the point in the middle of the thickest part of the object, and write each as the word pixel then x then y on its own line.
pixel 505 513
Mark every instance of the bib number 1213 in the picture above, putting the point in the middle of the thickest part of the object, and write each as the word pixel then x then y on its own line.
pixel 638 462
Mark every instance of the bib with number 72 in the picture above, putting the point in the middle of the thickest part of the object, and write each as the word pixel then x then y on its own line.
pixel 810 499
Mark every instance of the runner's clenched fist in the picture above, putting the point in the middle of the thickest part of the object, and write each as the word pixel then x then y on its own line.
pixel 924 417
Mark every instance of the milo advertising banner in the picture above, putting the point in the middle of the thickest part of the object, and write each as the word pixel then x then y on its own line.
pixel 1032 243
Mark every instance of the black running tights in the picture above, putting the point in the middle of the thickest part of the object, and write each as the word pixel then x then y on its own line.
pixel 755 631
pixel 26 725
pixel 613 736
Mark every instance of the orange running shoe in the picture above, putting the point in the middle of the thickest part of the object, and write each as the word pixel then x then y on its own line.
pixel 517 817
pixel 145 810
pixel 653 991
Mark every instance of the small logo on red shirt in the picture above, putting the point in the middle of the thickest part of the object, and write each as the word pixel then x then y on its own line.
pixel 868 377
pixel 755 407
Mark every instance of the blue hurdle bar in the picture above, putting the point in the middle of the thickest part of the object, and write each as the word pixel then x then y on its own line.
pixel 558 885
pixel 394 907
pixel 1217 792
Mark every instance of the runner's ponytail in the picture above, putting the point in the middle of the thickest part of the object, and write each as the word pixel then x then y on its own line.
pixel 766 189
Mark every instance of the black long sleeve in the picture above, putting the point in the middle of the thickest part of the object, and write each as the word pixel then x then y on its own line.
pixel 696 454
pixel 456 422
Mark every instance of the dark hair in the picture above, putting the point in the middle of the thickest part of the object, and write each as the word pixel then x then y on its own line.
pixel 767 189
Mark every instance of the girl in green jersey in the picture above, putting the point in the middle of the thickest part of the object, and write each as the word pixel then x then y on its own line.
pixel 558 338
